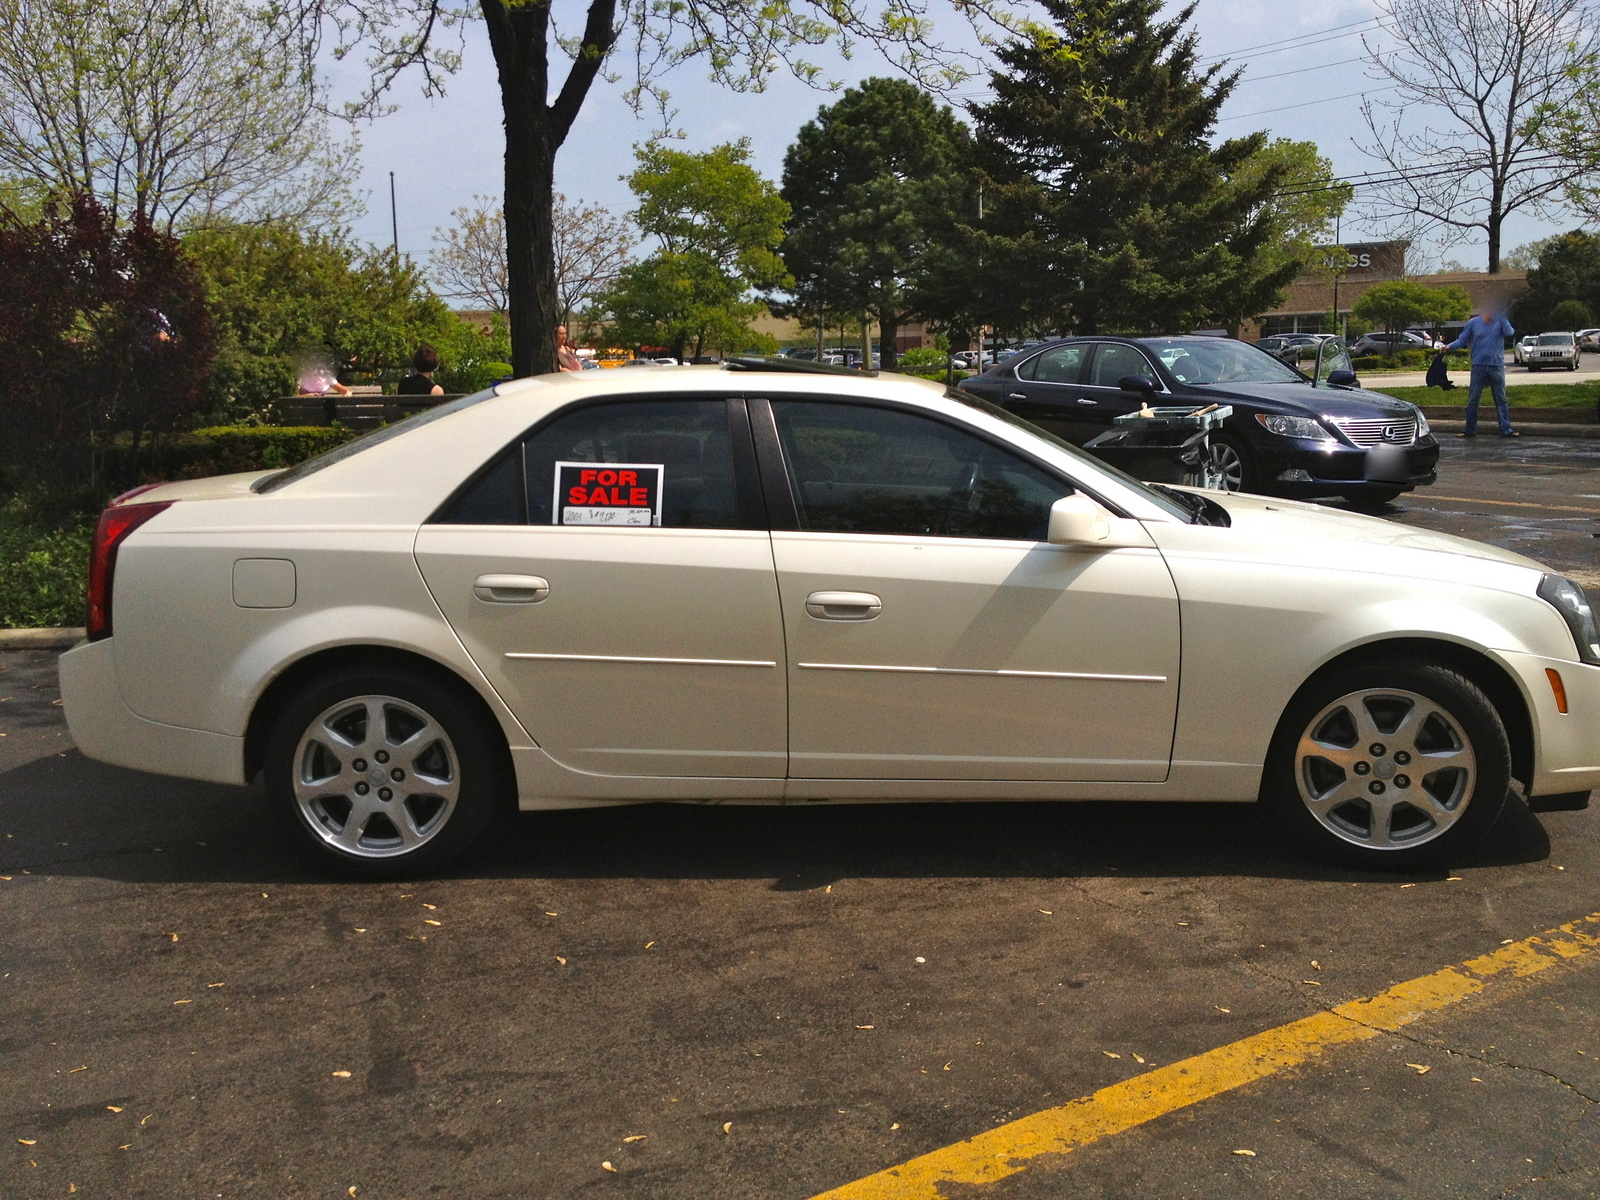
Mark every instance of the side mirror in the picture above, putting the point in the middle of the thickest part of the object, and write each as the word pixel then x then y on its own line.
pixel 1078 521
pixel 1343 379
pixel 1137 383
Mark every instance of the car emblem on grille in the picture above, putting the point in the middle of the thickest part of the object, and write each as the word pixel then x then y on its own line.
pixel 1391 433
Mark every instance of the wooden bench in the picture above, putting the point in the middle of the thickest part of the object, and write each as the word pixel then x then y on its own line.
pixel 359 410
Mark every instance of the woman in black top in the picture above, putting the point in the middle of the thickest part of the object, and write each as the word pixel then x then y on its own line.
pixel 420 383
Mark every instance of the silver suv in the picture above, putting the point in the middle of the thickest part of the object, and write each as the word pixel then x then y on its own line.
pixel 1551 350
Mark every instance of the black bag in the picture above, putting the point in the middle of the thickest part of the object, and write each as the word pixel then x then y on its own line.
pixel 1438 375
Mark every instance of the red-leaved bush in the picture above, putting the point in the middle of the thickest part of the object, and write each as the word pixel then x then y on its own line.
pixel 105 342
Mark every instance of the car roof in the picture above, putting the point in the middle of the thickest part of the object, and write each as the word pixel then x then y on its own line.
pixel 400 481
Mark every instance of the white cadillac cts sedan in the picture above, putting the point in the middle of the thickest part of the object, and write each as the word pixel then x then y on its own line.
pixel 759 584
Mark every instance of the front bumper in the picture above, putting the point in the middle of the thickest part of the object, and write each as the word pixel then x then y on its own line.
pixel 1566 745
pixel 104 728
pixel 1302 469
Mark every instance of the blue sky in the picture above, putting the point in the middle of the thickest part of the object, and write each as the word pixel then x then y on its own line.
pixel 444 151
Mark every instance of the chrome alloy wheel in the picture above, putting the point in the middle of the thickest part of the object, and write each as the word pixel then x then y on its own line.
pixel 1227 466
pixel 1385 769
pixel 376 777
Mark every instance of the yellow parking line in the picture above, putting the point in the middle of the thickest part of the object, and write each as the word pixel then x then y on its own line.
pixel 1010 1148
pixel 1508 503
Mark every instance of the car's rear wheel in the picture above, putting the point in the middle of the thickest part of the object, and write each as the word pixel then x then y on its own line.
pixel 382 774
pixel 1232 462
pixel 1392 766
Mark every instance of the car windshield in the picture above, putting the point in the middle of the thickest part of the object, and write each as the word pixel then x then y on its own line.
pixel 1554 339
pixel 1172 503
pixel 1202 361
pixel 366 441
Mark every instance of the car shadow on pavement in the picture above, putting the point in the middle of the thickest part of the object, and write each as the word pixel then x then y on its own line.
pixel 68 816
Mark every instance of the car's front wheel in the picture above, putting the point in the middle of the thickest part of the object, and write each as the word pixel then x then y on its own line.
pixel 1232 463
pixel 1390 766
pixel 382 774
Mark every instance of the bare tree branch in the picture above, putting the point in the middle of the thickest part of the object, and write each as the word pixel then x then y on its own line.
pixel 1478 84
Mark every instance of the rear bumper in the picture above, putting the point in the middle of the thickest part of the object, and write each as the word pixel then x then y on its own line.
pixel 104 728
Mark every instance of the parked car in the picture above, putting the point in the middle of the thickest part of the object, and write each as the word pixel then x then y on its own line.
pixel 1291 347
pixel 1588 339
pixel 1390 343
pixel 1551 350
pixel 726 586
pixel 1287 436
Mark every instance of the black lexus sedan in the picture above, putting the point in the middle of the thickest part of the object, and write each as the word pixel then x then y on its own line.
pixel 1290 434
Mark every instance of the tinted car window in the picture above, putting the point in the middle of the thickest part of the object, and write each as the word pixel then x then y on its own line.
pixel 1059 365
pixel 1112 361
pixel 681 447
pixel 687 439
pixel 860 469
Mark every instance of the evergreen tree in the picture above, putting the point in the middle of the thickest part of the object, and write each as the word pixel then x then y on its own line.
pixel 1107 207
pixel 871 183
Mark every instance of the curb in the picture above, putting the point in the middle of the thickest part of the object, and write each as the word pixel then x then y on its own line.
pixel 1532 429
pixel 40 639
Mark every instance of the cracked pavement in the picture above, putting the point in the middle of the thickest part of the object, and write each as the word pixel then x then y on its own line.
pixel 842 988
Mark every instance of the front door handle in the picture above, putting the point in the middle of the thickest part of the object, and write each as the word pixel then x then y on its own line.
pixel 843 606
pixel 1086 400
pixel 1016 396
pixel 510 589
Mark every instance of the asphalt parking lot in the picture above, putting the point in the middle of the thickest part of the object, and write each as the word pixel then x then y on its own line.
pixel 719 1002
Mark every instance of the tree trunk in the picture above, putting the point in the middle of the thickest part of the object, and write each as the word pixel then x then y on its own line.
pixel 535 129
pixel 866 343
pixel 530 192
pixel 888 332
pixel 1496 217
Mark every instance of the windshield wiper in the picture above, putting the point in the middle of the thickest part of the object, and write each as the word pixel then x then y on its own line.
pixel 1202 509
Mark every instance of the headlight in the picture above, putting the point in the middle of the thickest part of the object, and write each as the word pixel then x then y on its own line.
pixel 1295 427
pixel 1573 605
pixel 1423 428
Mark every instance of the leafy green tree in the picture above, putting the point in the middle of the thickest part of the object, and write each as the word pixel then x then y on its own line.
pixel 718 225
pixel 1401 303
pixel 1571 314
pixel 871 183
pixel 1301 212
pixel 1108 208
pixel 1569 269
pixel 281 294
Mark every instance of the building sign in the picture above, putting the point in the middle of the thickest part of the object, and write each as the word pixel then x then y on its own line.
pixel 608 493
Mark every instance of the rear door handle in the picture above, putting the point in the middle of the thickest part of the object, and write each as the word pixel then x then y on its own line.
pixel 1086 400
pixel 1016 396
pixel 843 606
pixel 510 589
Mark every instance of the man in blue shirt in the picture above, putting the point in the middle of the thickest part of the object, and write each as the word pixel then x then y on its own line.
pixel 1486 336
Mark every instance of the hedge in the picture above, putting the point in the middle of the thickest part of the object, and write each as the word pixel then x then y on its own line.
pixel 43 568
pixel 227 449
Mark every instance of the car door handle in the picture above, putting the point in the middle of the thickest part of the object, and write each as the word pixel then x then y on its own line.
pixel 1016 396
pixel 510 589
pixel 1086 400
pixel 843 606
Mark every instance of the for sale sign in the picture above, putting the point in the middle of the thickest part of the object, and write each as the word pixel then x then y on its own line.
pixel 608 493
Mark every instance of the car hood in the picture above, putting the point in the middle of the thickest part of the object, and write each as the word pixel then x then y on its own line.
pixel 1301 399
pixel 1287 531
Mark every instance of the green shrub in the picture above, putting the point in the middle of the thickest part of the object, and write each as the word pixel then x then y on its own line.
pixel 922 358
pixel 44 565
pixel 228 449
pixel 1409 360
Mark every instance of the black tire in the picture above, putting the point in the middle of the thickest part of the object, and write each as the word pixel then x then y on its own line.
pixel 1455 804
pixel 1242 468
pixel 1371 500
pixel 443 743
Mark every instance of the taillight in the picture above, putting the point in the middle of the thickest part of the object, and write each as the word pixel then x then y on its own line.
pixel 115 524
